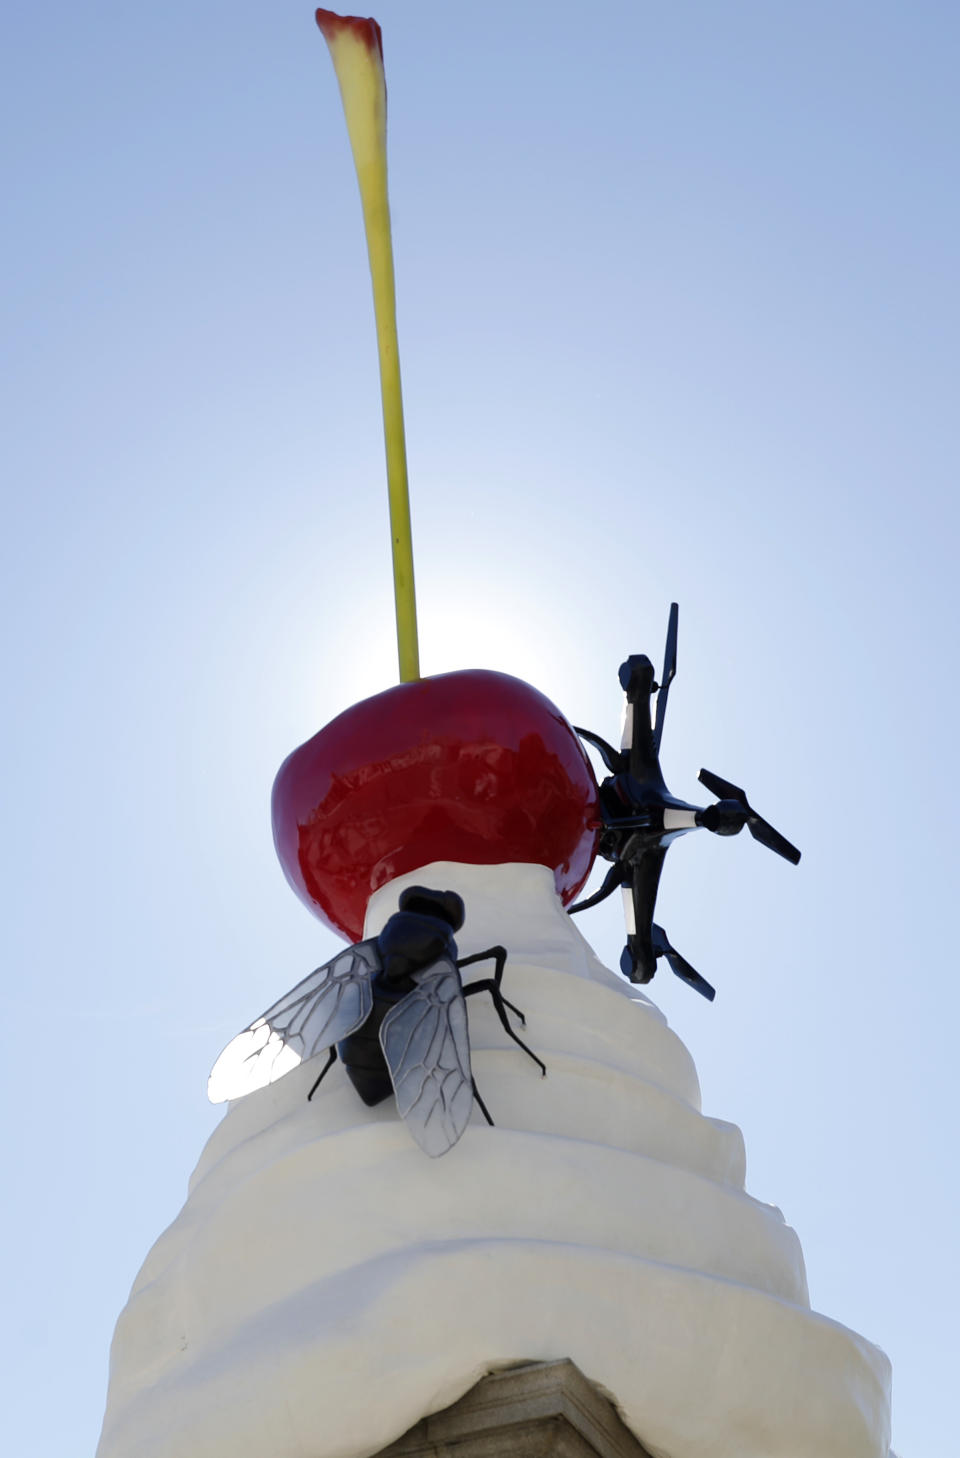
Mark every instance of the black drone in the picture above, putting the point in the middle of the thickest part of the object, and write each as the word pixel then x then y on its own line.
pixel 641 818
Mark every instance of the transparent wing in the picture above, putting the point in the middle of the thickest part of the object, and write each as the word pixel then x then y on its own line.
pixel 321 1010
pixel 427 1048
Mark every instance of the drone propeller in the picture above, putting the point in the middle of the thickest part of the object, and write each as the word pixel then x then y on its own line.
pixel 679 966
pixel 759 828
pixel 666 678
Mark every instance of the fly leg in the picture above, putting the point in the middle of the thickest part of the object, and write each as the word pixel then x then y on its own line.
pixel 492 985
pixel 499 954
pixel 483 1108
pixel 331 1060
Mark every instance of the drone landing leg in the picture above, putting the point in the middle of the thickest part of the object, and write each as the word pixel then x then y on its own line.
pixel 615 877
pixel 331 1060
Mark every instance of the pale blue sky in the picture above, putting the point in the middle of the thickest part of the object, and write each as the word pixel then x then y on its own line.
pixel 678 311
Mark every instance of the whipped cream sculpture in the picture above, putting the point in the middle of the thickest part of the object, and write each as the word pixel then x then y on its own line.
pixel 325 1286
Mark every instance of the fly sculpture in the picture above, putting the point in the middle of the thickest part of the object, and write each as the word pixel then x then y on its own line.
pixel 641 818
pixel 393 1009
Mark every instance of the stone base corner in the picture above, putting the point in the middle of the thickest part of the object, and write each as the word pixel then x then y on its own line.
pixel 538 1410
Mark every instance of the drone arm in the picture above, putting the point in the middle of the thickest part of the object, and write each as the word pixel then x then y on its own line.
pixel 726 817
pixel 638 960
pixel 640 754
pixel 681 818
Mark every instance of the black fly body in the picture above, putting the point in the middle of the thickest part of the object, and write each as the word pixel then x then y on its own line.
pixel 393 1009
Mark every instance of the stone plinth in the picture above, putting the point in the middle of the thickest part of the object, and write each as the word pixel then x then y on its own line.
pixel 540 1410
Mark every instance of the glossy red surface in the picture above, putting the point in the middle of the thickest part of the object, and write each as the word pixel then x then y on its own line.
pixel 472 766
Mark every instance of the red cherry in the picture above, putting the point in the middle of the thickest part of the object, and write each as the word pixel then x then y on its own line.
pixel 472 766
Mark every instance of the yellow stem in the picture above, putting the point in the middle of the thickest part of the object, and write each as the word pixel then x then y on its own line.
pixel 355 51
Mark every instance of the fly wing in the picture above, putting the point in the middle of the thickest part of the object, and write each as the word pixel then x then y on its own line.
pixel 427 1048
pixel 321 1010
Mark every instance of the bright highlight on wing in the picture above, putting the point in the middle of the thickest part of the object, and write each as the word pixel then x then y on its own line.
pixel 323 1009
pixel 253 1059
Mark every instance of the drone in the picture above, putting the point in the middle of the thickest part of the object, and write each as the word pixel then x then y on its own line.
pixel 641 818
